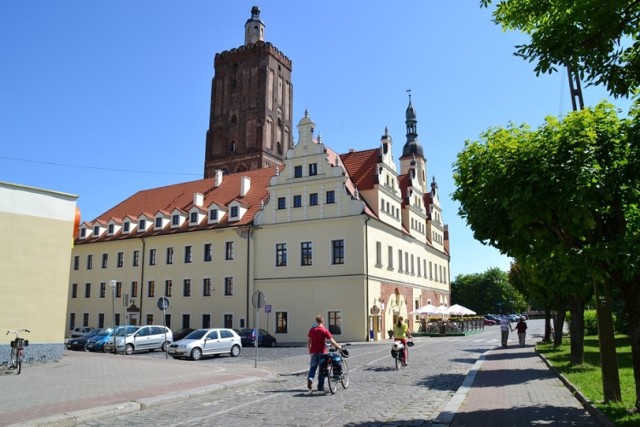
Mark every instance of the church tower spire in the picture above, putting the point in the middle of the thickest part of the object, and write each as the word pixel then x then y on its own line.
pixel 254 28
pixel 412 159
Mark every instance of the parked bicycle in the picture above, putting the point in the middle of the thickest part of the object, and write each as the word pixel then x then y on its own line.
pixel 397 352
pixel 335 368
pixel 17 350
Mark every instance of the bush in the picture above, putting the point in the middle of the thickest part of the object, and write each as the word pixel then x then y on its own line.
pixel 590 322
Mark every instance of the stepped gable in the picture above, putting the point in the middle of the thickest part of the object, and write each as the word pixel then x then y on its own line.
pixel 180 196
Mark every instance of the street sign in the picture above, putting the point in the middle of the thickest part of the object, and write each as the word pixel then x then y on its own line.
pixel 267 308
pixel 258 299
pixel 163 303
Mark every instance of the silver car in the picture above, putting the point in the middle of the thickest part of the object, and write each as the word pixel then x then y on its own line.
pixel 205 342
pixel 140 338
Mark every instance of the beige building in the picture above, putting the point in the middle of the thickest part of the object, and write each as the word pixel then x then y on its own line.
pixel 36 231
pixel 345 236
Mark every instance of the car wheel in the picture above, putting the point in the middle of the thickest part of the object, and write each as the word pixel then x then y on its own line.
pixel 196 354
pixel 235 351
pixel 129 349
pixel 165 346
pixel 273 343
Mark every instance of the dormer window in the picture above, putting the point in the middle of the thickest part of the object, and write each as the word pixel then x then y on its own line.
pixel 110 229
pixel 142 225
pixel 159 222
pixel 175 220
pixel 96 231
pixel 234 212
pixel 126 227
pixel 213 215
pixel 193 218
pixel 83 232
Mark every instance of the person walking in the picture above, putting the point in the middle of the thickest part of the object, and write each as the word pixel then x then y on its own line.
pixel 521 327
pixel 316 341
pixel 401 333
pixel 505 328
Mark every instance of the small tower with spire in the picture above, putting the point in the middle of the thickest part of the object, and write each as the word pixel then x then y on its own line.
pixel 412 153
pixel 254 28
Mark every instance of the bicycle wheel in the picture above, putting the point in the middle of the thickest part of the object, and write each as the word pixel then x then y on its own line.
pixel 344 379
pixel 18 367
pixel 332 383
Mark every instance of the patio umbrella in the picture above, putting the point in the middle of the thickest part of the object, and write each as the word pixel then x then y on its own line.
pixel 426 309
pixel 460 310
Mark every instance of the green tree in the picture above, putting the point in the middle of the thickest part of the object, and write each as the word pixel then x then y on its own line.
pixel 571 187
pixel 600 39
pixel 487 292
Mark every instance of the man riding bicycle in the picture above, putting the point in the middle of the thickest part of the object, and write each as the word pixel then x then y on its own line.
pixel 401 333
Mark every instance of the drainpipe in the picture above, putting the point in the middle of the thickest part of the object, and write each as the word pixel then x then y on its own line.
pixel 366 275
pixel 249 231
pixel 142 281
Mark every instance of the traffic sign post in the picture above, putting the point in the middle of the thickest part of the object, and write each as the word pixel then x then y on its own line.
pixel 258 299
pixel 267 309
pixel 163 304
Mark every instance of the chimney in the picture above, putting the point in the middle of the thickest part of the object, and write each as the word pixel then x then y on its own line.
pixel 217 178
pixel 245 184
pixel 198 198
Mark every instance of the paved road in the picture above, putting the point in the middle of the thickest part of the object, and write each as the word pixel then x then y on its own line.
pixel 378 394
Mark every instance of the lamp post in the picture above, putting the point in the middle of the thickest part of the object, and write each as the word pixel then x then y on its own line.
pixel 113 284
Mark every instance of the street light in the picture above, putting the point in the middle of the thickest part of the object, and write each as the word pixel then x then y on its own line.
pixel 113 284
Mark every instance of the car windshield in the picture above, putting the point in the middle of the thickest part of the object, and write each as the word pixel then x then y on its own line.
pixel 104 333
pixel 129 330
pixel 246 332
pixel 196 335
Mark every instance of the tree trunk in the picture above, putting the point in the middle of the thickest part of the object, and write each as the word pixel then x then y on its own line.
pixel 576 330
pixel 630 292
pixel 608 359
pixel 558 323
pixel 547 325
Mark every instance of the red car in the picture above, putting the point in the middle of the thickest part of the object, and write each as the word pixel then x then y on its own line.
pixel 489 322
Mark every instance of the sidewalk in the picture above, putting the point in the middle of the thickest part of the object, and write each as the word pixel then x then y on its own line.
pixel 514 387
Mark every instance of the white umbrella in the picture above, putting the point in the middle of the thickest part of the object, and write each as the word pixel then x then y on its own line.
pixel 460 310
pixel 426 309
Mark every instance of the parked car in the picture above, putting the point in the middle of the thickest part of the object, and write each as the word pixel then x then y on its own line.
pixel 492 317
pixel 206 342
pixel 78 332
pixel 181 333
pixel 78 343
pixel 265 339
pixel 140 338
pixel 96 342
pixel 489 322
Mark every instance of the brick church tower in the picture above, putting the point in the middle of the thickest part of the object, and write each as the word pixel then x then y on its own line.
pixel 251 105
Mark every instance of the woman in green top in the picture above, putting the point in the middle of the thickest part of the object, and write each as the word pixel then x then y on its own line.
pixel 401 333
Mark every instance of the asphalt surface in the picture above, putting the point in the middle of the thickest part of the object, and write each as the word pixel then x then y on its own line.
pixel 505 387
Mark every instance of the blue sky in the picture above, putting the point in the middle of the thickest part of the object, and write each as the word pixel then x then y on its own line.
pixel 103 99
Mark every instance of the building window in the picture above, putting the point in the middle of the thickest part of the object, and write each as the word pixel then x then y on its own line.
pixel 228 251
pixel 136 258
pixel 169 255
pixel 149 319
pixel 100 320
pixel 142 225
pixel 105 260
pixel 110 229
pixel 234 212
pixel 87 290
pixel 159 222
pixel 117 318
pixel 313 199
pixel 335 322
pixel 168 284
pixel 313 169
pixel 206 321
pixel 378 254
pixel 399 260
pixel 213 215
pixel 297 201
pixel 74 290
pixel 151 288
pixel 390 257
pixel 206 287
pixel 337 251
pixel 306 252
pixel 85 319
pixel 282 203
pixel 194 218
pixel 126 226
pixel 76 262
pixel 208 252
pixel 103 289
pixel 119 290
pixel 281 322
pixel 120 259
pixel 175 219
pixel 89 262
pixel 83 232
pixel 228 321
pixel 72 321
pixel 331 197
pixel 186 320
pixel 228 286
pixel 281 254
pixel 187 254
pixel 96 231
pixel 186 288
pixel 152 257
pixel 297 172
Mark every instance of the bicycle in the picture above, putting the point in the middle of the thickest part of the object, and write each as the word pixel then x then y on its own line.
pixel 397 352
pixel 335 368
pixel 17 350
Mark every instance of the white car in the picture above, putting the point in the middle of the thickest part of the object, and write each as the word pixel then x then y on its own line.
pixel 140 338
pixel 205 342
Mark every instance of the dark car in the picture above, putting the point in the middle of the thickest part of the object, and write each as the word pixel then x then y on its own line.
pixel 492 317
pixel 265 339
pixel 96 343
pixel 181 333
pixel 78 343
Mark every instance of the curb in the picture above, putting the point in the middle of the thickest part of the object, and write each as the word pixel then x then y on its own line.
pixel 586 403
